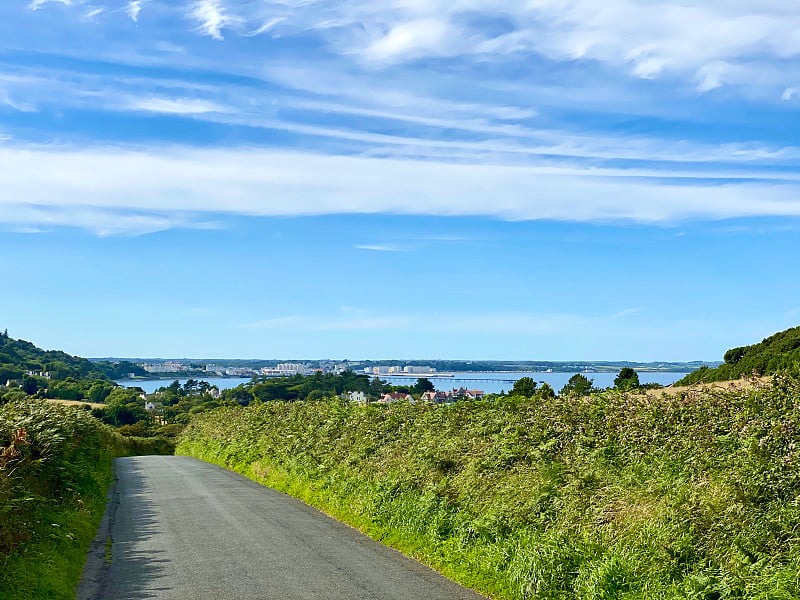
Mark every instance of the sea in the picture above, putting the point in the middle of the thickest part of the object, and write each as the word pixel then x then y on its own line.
pixel 489 383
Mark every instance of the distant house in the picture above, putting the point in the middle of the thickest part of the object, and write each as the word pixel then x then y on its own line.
pixel 214 392
pixel 435 397
pixel 395 397
pixel 474 394
pixel 149 405
pixel 357 397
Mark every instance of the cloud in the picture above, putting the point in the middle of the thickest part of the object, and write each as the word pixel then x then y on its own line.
pixel 179 186
pixel 790 94
pixel 380 247
pixel 94 12
pixel 640 38
pixel 134 9
pixel 213 17
pixel 37 4
pixel 266 26
pixel 421 37
pixel 174 106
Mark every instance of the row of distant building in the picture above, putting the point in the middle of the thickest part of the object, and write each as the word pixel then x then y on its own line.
pixel 280 370
pixel 434 397
pixel 283 369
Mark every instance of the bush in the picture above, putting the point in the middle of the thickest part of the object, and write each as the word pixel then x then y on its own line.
pixel 55 470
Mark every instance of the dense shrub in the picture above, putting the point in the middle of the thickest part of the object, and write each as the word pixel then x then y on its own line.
pixel 608 496
pixel 771 355
pixel 55 469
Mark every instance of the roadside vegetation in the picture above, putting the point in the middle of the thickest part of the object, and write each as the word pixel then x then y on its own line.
pixel 55 472
pixel 607 495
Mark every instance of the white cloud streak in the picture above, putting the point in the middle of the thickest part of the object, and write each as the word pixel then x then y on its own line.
pixel 110 190
pixel 380 247
pixel 134 9
pixel 212 17
pixel 174 106
pixel 37 4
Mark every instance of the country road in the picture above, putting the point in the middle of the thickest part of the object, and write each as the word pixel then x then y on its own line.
pixel 182 529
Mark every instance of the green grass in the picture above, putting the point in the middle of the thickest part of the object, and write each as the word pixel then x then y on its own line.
pixel 54 480
pixel 612 496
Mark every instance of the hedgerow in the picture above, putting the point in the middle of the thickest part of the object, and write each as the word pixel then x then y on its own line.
pixel 607 496
pixel 55 471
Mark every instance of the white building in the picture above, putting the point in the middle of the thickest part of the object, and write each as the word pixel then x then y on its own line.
pixel 358 397
pixel 292 368
pixel 419 370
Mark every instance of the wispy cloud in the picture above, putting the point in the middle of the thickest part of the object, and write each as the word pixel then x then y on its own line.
pixel 174 106
pixel 266 26
pixel 94 12
pixel 212 17
pixel 134 9
pixel 37 4
pixel 380 247
pixel 184 181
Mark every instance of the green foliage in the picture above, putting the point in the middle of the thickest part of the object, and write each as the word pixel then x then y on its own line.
pixel 18 356
pixel 55 469
pixel 524 386
pixel 423 385
pixel 610 495
pixel 299 387
pixel 578 385
pixel 773 354
pixel 626 379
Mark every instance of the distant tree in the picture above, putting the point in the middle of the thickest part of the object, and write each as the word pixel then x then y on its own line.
pixel 240 395
pixel 626 379
pixel 423 385
pixel 377 387
pixel 525 386
pixel 546 392
pixel 734 355
pixel 99 392
pixel 578 385
pixel 29 385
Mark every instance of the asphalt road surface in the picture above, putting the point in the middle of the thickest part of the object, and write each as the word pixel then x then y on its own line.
pixel 182 529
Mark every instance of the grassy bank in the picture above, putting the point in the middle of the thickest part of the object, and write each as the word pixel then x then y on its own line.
pixel 55 472
pixel 613 496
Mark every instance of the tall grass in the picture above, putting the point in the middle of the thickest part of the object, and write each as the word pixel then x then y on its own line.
pixel 55 471
pixel 609 496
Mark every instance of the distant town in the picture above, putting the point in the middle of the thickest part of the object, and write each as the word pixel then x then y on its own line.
pixel 286 369
pixel 163 368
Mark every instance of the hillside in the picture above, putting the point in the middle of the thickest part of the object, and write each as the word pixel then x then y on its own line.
pixel 773 354
pixel 19 356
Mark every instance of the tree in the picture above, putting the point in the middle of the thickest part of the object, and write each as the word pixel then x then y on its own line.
pixel 525 386
pixel 734 355
pixel 546 392
pixel 29 385
pixel 99 392
pixel 626 379
pixel 423 385
pixel 578 385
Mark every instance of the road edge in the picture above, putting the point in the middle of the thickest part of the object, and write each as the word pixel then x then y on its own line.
pixel 98 559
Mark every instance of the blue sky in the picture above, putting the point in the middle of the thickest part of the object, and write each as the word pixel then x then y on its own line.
pixel 406 178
